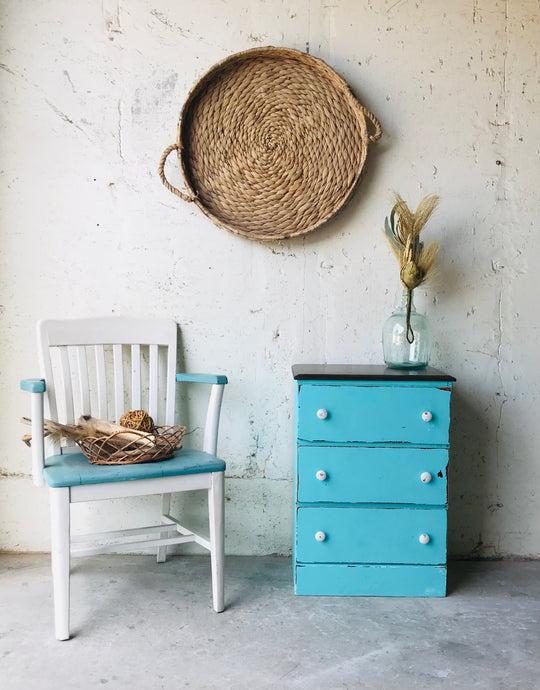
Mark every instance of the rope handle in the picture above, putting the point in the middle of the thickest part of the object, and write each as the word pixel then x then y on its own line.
pixel 375 122
pixel 161 171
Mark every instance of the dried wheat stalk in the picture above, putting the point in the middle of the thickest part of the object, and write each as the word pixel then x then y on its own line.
pixel 415 259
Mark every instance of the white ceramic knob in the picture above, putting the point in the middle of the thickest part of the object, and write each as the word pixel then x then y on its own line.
pixel 424 538
pixel 427 416
pixel 426 477
pixel 321 475
pixel 322 414
pixel 320 536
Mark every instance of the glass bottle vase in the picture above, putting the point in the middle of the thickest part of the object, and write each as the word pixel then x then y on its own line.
pixel 406 345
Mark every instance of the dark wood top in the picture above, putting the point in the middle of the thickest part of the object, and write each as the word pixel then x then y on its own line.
pixel 365 372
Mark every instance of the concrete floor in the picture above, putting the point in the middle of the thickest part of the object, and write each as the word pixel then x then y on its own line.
pixel 141 625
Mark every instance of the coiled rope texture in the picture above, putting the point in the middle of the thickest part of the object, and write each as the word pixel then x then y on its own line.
pixel 271 143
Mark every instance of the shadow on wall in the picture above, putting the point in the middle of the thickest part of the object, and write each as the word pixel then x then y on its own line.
pixel 470 479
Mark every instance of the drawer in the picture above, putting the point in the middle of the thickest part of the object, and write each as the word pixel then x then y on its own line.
pixel 373 414
pixel 370 535
pixel 371 580
pixel 337 474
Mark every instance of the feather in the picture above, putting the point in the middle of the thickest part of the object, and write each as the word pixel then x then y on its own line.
pixel 391 234
pixel 91 428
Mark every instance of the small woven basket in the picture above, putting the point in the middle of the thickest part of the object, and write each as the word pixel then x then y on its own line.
pixel 158 446
pixel 271 143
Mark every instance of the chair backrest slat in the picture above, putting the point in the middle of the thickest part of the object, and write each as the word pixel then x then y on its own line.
pixel 118 366
pixel 153 378
pixel 101 381
pixel 84 391
pixel 171 384
pixel 136 377
pixel 67 387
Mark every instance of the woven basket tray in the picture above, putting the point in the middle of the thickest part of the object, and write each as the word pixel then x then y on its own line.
pixel 161 446
pixel 271 143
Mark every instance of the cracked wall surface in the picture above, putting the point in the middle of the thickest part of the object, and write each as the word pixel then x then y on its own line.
pixel 91 93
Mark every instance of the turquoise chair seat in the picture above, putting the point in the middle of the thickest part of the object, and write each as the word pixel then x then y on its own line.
pixel 73 469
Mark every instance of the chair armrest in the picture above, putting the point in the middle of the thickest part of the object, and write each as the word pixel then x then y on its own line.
pixel 203 378
pixel 33 385
pixel 211 426
pixel 37 388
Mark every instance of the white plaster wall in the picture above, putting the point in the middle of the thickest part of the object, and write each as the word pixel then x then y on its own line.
pixel 91 93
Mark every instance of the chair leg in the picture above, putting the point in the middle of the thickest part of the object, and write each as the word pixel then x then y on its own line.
pixel 165 510
pixel 60 528
pixel 216 514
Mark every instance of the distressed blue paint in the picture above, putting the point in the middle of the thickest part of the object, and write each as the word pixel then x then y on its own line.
pixel 372 506
pixel 371 475
pixel 371 535
pixel 202 378
pixel 75 468
pixel 296 478
pixel 371 580
pixel 33 385
pixel 374 414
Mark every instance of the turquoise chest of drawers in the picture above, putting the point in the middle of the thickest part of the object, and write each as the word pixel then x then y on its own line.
pixel 371 480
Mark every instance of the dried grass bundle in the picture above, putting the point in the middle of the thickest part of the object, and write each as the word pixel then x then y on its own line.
pixel 415 260
pixel 105 443
pixel 92 428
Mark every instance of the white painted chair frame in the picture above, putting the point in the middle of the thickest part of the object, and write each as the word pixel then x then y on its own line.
pixel 72 338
